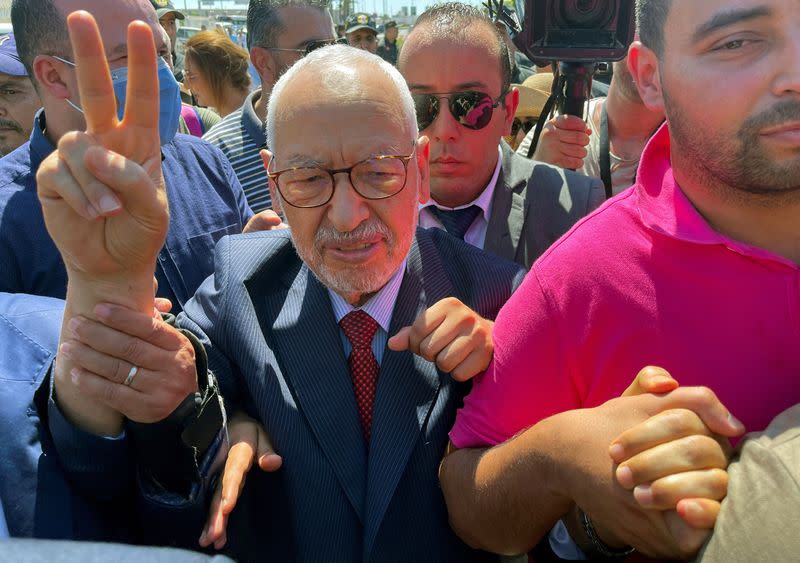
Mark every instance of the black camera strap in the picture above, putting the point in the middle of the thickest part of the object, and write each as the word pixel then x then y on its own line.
pixel 605 152
pixel 547 110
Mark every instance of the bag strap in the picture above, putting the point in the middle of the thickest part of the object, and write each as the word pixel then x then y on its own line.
pixel 192 120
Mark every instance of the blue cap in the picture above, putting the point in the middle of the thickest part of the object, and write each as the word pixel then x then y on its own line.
pixel 9 59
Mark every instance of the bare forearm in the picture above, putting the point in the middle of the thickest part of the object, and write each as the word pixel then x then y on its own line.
pixel 135 292
pixel 507 498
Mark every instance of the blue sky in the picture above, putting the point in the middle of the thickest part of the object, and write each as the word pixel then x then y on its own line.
pixel 366 5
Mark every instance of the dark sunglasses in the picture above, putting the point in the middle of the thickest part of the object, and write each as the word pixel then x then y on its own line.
pixel 526 125
pixel 471 109
pixel 310 47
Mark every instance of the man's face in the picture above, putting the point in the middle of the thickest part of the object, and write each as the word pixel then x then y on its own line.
pixel 363 39
pixel 302 25
pixel 391 33
pixel 168 22
pixel 730 86
pixel 18 105
pixel 462 160
pixel 352 244
pixel 112 20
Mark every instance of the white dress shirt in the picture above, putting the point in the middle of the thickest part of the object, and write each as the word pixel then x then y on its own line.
pixel 476 234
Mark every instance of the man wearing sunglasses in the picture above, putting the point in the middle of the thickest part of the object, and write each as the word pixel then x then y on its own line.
pixel 457 66
pixel 279 33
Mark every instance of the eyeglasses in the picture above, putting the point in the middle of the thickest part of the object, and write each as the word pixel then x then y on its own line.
pixel 471 109
pixel 526 125
pixel 379 177
pixel 310 47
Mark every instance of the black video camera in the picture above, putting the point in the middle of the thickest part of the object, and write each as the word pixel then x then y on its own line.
pixel 578 34
pixel 575 31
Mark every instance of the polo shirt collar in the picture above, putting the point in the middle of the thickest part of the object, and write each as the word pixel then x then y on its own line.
pixel 665 209
pixel 251 123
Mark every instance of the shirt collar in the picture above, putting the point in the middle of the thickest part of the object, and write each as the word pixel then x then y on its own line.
pixel 251 122
pixel 664 208
pixel 41 147
pixel 484 200
pixel 380 306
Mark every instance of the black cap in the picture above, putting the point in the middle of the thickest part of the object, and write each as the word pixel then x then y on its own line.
pixel 360 20
pixel 390 23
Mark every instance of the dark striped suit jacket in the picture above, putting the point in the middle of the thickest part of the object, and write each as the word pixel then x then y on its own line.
pixel 273 342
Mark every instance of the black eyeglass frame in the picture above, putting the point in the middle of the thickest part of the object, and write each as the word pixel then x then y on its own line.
pixel 275 176
pixel 310 47
pixel 438 96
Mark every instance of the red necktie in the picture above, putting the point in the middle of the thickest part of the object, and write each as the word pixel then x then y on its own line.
pixel 360 328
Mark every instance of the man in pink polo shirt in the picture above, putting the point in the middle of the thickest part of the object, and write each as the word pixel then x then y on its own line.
pixel 695 269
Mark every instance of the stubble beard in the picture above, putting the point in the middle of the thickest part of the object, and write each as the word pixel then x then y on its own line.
pixel 738 168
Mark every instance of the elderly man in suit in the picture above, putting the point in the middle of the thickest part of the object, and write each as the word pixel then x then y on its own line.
pixel 294 323
pixel 457 66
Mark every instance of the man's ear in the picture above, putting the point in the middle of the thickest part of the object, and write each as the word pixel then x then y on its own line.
pixel 53 77
pixel 265 64
pixel 643 65
pixel 422 154
pixel 266 156
pixel 511 103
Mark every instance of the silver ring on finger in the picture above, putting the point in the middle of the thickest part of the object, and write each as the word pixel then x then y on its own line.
pixel 131 375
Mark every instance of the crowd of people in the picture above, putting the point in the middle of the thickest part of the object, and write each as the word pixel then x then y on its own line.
pixel 359 314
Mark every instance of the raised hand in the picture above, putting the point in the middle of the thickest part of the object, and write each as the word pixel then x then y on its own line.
pixel 104 201
pixel 102 191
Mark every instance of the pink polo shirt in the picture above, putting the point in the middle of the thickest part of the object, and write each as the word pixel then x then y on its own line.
pixel 642 281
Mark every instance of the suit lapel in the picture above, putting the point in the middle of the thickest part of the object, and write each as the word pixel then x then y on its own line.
pixel 309 349
pixel 508 210
pixel 407 386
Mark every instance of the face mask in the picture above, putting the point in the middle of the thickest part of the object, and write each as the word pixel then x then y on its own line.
pixel 169 94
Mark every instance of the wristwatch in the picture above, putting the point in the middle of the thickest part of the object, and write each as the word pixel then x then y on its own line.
pixel 601 548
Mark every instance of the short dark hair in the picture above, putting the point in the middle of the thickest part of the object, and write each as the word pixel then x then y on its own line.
pixel 264 24
pixel 651 16
pixel 40 29
pixel 455 19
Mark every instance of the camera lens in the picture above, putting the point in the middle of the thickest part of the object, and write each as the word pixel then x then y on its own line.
pixel 584 14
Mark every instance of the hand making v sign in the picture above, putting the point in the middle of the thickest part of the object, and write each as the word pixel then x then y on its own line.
pixel 103 197
pixel 102 191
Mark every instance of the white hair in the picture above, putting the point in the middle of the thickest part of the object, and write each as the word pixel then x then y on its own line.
pixel 338 68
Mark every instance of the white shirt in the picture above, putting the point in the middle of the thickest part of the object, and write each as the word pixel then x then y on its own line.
pixel 476 234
